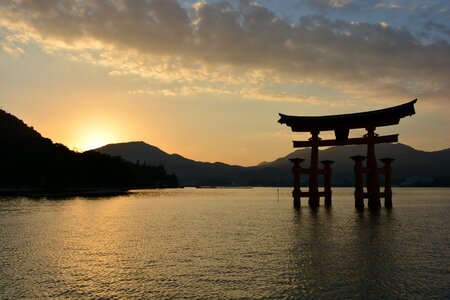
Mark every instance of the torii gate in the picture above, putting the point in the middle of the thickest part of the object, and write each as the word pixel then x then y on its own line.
pixel 341 125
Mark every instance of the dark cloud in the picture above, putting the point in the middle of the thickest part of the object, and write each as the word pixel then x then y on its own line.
pixel 156 26
pixel 251 37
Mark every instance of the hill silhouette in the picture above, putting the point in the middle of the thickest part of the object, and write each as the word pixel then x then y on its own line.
pixel 189 172
pixel 411 167
pixel 31 163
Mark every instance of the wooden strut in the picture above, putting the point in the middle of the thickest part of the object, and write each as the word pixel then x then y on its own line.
pixel 297 170
pixel 393 138
pixel 371 171
pixel 360 170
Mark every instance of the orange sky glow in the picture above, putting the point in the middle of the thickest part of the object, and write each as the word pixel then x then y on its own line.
pixel 207 79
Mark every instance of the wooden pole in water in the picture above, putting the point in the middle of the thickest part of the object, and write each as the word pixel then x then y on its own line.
pixel 387 181
pixel 327 180
pixel 373 184
pixel 314 170
pixel 296 171
pixel 359 181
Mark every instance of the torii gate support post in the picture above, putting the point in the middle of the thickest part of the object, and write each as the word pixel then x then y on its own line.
pixel 373 184
pixel 314 170
pixel 387 181
pixel 296 170
pixel 359 181
pixel 327 180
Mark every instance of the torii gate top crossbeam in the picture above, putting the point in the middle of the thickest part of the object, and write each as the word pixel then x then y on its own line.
pixel 343 123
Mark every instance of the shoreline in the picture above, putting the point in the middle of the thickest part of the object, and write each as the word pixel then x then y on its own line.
pixel 40 193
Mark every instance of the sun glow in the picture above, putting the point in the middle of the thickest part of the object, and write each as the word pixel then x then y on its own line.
pixel 93 142
pixel 95 136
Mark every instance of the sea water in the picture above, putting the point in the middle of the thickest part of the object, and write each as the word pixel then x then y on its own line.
pixel 225 244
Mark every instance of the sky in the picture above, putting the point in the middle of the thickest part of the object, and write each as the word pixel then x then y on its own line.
pixel 207 79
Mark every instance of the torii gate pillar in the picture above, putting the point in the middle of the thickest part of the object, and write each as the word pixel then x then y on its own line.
pixel 314 170
pixel 373 184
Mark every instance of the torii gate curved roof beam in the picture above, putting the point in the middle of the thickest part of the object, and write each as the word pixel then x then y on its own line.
pixel 343 123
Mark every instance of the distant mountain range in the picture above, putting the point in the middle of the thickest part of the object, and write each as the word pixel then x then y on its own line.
pixel 189 172
pixel 411 167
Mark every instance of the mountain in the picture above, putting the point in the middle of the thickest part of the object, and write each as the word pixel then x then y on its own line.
pixel 189 172
pixel 30 162
pixel 410 167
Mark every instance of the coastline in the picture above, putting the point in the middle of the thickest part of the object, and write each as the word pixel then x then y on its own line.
pixel 57 193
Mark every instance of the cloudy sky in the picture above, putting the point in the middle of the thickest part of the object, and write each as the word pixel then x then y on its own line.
pixel 207 79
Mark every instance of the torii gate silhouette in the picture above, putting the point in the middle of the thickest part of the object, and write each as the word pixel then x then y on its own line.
pixel 341 125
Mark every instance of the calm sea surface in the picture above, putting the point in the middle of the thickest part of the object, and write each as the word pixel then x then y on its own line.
pixel 225 243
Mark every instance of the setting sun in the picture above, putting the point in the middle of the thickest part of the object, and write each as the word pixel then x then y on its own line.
pixel 94 141
pixel 95 135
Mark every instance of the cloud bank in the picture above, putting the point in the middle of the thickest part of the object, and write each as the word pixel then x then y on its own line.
pixel 241 47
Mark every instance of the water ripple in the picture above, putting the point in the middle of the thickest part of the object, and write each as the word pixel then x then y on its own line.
pixel 217 244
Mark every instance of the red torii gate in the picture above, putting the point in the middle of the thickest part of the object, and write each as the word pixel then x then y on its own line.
pixel 341 125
